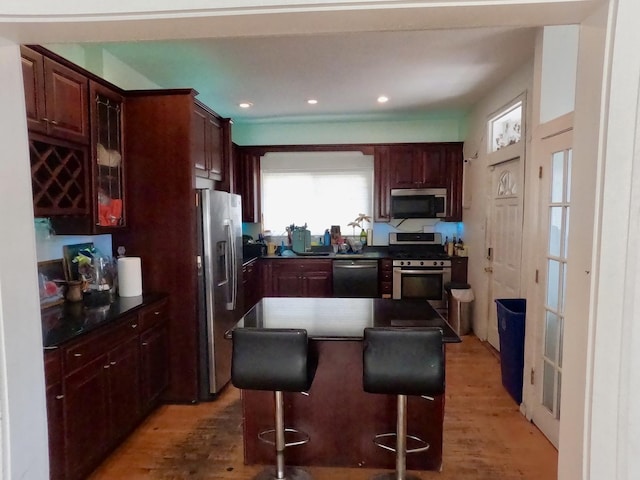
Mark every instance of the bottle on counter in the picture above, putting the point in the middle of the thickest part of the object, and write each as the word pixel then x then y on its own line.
pixel 327 237
pixel 363 237
pixel 450 251
pixel 446 244
pixel 457 248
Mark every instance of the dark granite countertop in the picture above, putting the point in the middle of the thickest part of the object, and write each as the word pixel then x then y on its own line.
pixel 330 256
pixel 71 320
pixel 343 318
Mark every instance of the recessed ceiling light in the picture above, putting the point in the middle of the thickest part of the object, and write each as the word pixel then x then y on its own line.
pixel 312 101
pixel 245 105
pixel 383 99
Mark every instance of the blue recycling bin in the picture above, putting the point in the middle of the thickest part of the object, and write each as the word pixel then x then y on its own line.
pixel 511 325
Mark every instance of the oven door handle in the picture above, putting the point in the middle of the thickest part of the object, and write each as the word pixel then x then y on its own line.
pixel 418 272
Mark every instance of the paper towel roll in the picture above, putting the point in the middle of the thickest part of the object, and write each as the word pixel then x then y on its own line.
pixel 129 276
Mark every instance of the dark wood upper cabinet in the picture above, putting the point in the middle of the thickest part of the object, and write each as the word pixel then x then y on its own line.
pixel 454 160
pixel 427 165
pixel 56 98
pixel 247 183
pixel 381 188
pixel 105 193
pixel 33 78
pixel 417 166
pixel 208 143
pixel 108 160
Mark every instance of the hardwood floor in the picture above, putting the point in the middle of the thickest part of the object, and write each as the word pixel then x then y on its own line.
pixel 485 436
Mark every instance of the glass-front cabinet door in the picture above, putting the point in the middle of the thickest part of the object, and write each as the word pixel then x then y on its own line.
pixel 108 157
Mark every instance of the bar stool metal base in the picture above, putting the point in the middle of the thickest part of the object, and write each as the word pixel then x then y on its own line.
pixel 290 473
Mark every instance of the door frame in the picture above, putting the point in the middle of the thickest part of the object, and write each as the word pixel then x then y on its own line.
pixel 560 140
pixel 535 291
pixel 492 324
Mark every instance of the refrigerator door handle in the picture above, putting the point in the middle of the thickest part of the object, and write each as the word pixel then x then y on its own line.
pixel 234 263
pixel 229 264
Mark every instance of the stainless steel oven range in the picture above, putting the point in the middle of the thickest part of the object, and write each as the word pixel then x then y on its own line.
pixel 420 267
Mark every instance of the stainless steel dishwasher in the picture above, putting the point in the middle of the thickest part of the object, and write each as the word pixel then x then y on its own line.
pixel 355 278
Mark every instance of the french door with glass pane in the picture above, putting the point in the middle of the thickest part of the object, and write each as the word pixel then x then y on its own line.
pixel 555 215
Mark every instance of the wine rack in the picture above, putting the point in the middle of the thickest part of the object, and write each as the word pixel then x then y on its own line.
pixel 59 177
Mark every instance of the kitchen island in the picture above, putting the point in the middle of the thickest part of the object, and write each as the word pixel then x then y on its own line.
pixel 340 418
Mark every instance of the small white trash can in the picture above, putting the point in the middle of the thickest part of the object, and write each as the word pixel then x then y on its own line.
pixel 460 312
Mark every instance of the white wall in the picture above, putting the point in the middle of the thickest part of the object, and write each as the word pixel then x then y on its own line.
pixel 22 397
pixel 559 69
pixel 477 181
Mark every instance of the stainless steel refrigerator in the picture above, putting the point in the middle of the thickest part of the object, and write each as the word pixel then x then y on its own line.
pixel 219 284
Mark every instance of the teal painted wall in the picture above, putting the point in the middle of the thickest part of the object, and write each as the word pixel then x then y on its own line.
pixel 434 127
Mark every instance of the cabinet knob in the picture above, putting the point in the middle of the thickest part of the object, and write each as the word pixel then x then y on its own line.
pixel 156 313
pixel 112 363
pixel 77 354
pixel 106 366
pixel 59 397
pixel 134 325
pixel 53 122
pixel 45 119
pixel 144 344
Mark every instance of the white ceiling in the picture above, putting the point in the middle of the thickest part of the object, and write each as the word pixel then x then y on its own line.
pixel 420 71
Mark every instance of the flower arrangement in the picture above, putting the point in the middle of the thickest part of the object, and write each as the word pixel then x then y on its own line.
pixel 358 222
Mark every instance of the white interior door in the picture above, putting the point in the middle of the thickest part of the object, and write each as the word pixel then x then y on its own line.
pixel 507 185
pixel 555 201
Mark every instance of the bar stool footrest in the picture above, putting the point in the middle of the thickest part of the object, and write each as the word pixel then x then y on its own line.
pixel 290 473
pixel 266 434
pixel 379 441
pixel 393 476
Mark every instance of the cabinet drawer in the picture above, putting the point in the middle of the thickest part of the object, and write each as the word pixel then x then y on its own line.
pixel 154 314
pixel 85 350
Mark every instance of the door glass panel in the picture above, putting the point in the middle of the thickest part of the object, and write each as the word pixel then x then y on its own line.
pixel 548 392
pixel 553 284
pixel 551 336
pixel 557 177
pixel 555 229
pixel 557 243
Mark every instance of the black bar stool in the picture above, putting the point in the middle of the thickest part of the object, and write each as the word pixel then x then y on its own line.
pixel 403 361
pixel 275 360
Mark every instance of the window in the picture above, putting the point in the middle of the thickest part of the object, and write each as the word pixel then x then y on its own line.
pixel 320 189
pixel 505 128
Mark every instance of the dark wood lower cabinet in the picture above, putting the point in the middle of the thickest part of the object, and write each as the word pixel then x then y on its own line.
pixel 154 355
pixel 124 387
pixel 86 425
pixel 55 413
pixel 298 278
pixel 251 285
pixel 101 385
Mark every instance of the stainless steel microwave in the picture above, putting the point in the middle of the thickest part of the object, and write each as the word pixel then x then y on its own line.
pixel 418 203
